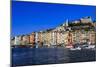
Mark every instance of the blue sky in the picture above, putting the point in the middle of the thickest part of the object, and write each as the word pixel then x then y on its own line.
pixel 28 17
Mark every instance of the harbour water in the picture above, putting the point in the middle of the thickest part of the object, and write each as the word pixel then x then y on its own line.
pixel 40 56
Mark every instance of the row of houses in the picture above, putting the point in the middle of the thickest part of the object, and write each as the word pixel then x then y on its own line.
pixel 62 35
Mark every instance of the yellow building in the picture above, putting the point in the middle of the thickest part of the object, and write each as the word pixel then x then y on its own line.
pixel 25 39
pixel 86 20
pixel 92 37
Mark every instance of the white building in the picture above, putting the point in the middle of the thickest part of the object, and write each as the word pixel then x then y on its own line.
pixel 53 39
pixel 17 40
pixel 36 37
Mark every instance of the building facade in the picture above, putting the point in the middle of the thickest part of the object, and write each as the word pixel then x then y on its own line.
pixel 63 35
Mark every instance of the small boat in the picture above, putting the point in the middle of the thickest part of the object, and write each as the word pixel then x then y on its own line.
pixel 78 48
pixel 90 47
pixel 69 46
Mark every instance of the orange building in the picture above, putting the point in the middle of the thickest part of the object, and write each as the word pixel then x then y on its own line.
pixel 32 39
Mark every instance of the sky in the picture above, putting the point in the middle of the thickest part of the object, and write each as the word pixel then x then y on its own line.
pixel 28 17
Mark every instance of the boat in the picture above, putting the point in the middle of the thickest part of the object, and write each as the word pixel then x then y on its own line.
pixel 77 48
